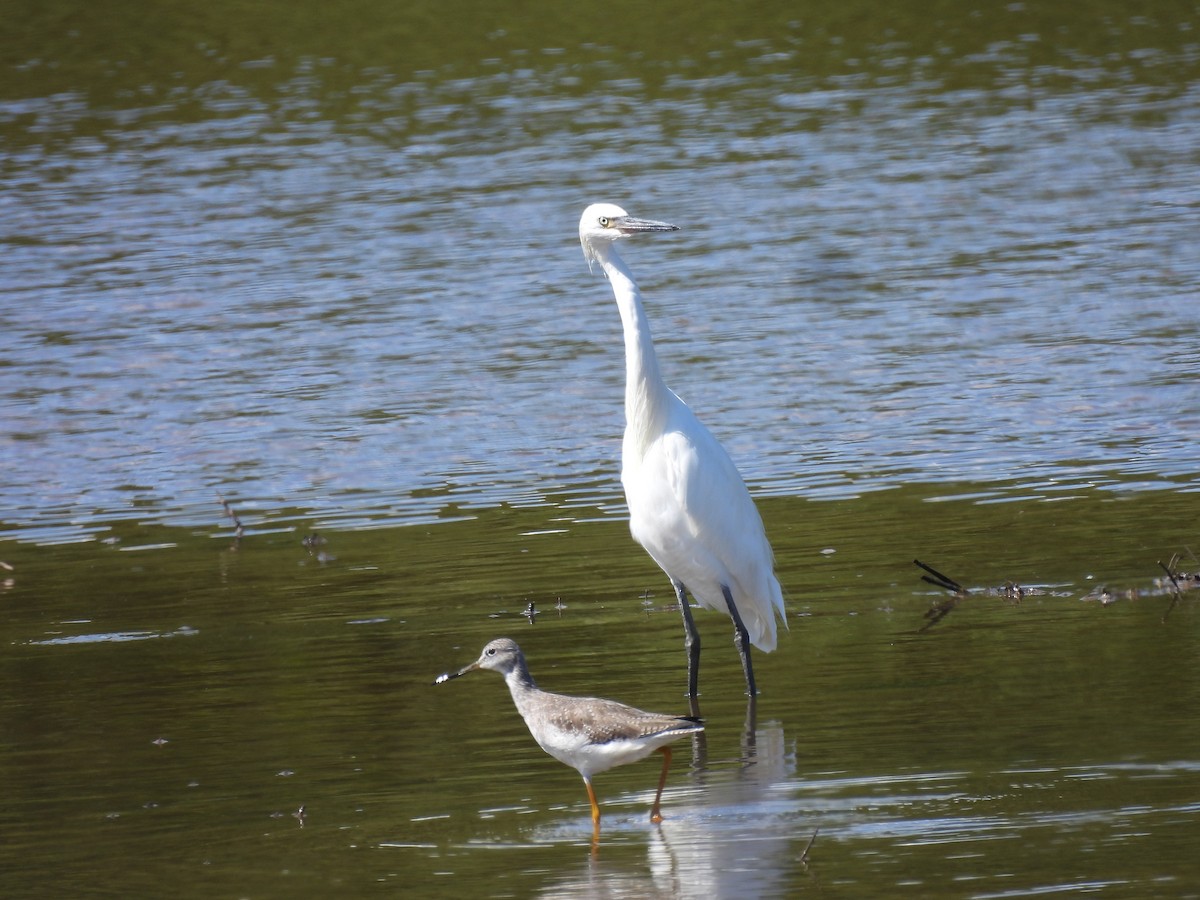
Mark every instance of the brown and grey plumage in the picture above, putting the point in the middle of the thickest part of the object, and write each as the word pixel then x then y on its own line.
pixel 589 734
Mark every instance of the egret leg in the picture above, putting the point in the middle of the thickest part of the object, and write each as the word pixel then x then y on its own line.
pixel 741 638
pixel 691 639
pixel 750 729
pixel 587 782
pixel 655 812
pixel 699 738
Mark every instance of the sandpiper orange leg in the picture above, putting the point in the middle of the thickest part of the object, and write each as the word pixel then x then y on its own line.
pixel 655 812
pixel 587 782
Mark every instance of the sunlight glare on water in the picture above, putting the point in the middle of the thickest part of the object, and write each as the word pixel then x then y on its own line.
pixel 879 277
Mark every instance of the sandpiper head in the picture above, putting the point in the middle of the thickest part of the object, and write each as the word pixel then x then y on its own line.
pixel 502 655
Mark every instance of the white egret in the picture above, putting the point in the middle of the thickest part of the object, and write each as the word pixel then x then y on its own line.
pixel 688 506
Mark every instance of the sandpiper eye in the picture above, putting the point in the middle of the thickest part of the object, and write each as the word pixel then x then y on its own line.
pixel 491 651
pixel 605 221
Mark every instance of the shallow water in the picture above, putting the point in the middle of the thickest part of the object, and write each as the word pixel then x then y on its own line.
pixel 183 701
pixel 935 287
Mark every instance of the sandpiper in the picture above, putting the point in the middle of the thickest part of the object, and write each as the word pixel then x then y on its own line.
pixel 589 734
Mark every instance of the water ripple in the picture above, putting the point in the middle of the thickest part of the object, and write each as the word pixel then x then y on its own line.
pixel 876 284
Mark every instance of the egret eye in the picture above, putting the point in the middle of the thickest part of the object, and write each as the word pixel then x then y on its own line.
pixel 605 221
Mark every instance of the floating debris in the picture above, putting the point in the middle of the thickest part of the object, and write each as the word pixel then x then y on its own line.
pixel 942 608
pixel 313 544
pixel 1174 584
pixel 807 847
pixel 1180 581
pixel 1010 591
pixel 530 612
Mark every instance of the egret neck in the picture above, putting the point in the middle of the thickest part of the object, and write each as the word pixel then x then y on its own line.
pixel 647 397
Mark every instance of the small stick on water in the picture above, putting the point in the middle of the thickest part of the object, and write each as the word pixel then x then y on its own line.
pixel 942 608
pixel 938 579
pixel 812 840
pixel 238 529
pixel 1175 593
pixel 1169 568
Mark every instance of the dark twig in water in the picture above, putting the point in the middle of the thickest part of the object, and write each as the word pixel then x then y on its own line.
pixel 238 529
pixel 298 815
pixel 1010 591
pixel 1176 591
pixel 530 612
pixel 804 853
pixel 942 608
pixel 1175 584
pixel 938 579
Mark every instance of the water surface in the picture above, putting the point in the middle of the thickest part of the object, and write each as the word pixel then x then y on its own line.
pixel 180 705
pixel 302 280
pixel 935 287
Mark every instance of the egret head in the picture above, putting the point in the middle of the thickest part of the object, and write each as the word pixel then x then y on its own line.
pixel 603 223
